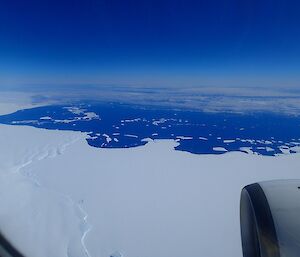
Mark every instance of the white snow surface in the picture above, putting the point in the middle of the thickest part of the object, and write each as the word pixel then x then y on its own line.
pixel 46 118
pixel 228 141
pixel 12 102
pixel 184 137
pixel 38 220
pixel 219 149
pixel 60 197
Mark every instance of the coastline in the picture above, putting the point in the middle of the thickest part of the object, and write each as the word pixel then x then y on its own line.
pixel 145 201
pixel 153 200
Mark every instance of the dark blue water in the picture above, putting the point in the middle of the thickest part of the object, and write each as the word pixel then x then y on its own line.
pixel 120 126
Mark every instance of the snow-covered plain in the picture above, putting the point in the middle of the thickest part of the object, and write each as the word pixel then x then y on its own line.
pixel 61 197
pixel 11 102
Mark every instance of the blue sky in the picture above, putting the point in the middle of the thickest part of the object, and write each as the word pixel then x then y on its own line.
pixel 158 42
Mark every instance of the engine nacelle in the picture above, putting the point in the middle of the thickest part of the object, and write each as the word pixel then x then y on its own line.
pixel 270 219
